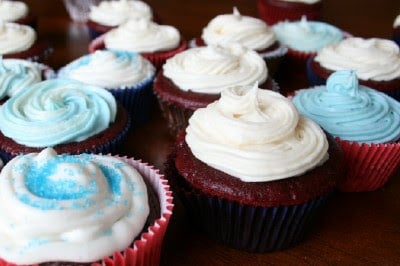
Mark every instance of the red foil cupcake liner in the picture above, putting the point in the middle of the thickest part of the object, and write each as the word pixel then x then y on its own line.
pixel 369 166
pixel 145 251
pixel 157 58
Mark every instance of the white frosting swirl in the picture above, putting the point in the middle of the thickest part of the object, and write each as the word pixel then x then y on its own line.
pixel 250 32
pixel 114 13
pixel 255 135
pixel 396 22
pixel 110 69
pixel 142 36
pixel 374 58
pixel 210 69
pixel 15 38
pixel 12 10
pixel 78 208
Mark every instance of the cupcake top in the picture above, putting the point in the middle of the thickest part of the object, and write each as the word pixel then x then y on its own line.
pixel 16 74
pixel 142 36
pixel 78 208
pixel 114 13
pixel 396 22
pixel 376 59
pixel 57 111
pixel 210 69
pixel 110 69
pixel 250 32
pixel 351 111
pixel 13 10
pixel 15 37
pixel 255 135
pixel 306 36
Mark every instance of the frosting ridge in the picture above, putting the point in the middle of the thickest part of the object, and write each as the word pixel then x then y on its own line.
pixel 15 37
pixel 12 10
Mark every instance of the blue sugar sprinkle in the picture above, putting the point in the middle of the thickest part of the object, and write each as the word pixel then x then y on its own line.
pixel 39 204
pixel 107 232
pixel 113 179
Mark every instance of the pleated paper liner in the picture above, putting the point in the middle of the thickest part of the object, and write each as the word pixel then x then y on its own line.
pixel 146 250
pixel 369 166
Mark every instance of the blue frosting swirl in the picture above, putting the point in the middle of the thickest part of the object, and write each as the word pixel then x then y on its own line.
pixel 349 111
pixel 57 111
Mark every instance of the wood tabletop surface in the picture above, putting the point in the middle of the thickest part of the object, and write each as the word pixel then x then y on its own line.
pixel 352 229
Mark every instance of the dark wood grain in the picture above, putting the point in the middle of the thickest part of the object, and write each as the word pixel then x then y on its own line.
pixel 354 228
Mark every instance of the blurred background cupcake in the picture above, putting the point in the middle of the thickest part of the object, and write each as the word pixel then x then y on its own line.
pixel 17 12
pixel 155 42
pixel 70 116
pixel 366 124
pixel 127 75
pixel 252 33
pixel 195 78
pixel 273 11
pixel 252 172
pixel 396 30
pixel 375 61
pixel 107 15
pixel 97 209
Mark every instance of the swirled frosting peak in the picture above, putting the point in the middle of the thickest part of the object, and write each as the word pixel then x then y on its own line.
pixel 16 74
pixel 374 58
pixel 114 13
pixel 15 37
pixel 109 69
pixel 250 32
pixel 351 111
pixel 255 135
pixel 306 36
pixel 212 68
pixel 76 208
pixel 396 22
pixel 142 36
pixel 57 111
pixel 12 10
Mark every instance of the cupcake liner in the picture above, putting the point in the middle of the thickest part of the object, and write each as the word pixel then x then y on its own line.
pixel 369 166
pixel 313 78
pixel 147 249
pixel 245 227
pixel 272 11
pixel 95 29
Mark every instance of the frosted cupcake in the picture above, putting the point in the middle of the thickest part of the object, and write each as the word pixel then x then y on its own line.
pixel 81 210
pixel 250 32
pixel 21 41
pixel 127 75
pixel 366 124
pixel 375 61
pixel 110 14
pixel 396 30
pixel 154 42
pixel 251 171
pixel 17 12
pixel 195 78
pixel 70 116
pixel 16 74
pixel 274 11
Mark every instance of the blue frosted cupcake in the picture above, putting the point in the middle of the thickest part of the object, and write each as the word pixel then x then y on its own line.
pixel 127 75
pixel 366 124
pixel 70 116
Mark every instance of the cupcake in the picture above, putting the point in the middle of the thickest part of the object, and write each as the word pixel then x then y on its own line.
pixel 81 210
pixel 364 121
pixel 375 61
pixel 251 171
pixel 195 78
pixel 70 116
pixel 253 33
pixel 273 11
pixel 21 41
pixel 110 14
pixel 396 30
pixel 17 12
pixel 16 74
pixel 154 42
pixel 127 75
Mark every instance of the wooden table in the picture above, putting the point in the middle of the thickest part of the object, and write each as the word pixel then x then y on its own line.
pixel 354 228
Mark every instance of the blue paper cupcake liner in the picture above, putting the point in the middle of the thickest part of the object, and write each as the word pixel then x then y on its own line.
pixel 93 34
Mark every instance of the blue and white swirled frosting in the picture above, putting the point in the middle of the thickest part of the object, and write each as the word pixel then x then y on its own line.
pixel 57 111
pixel 78 208
pixel 351 111
pixel 110 69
